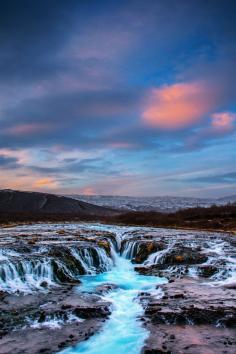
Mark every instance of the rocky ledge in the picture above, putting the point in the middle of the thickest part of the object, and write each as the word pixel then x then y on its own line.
pixel 191 317
pixel 42 309
pixel 195 312
pixel 49 322
pixel 39 257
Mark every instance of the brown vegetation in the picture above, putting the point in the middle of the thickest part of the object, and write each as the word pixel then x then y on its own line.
pixel 214 217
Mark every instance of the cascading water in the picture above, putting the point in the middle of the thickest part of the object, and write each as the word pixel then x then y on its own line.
pixel 123 333
pixel 130 249
pixel 76 254
pixel 53 321
pixel 156 257
pixel 87 259
pixel 226 273
pixel 26 275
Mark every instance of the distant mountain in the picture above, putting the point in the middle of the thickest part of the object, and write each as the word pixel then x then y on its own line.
pixel 12 201
pixel 229 199
pixel 164 204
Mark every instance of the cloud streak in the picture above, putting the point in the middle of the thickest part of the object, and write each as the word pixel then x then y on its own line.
pixel 108 97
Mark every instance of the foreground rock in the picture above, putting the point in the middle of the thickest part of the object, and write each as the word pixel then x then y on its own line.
pixel 191 317
pixel 105 288
pixel 41 309
pixel 196 311
pixel 186 301
pixel 47 323
pixel 185 339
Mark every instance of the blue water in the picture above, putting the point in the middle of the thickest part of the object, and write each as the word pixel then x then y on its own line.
pixel 123 332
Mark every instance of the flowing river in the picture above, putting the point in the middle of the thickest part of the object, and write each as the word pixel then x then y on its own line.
pixel 123 332
pixel 36 257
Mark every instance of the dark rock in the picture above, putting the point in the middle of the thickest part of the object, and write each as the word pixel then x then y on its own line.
pixel 200 304
pixel 59 303
pixel 105 288
pixel 183 255
pixel 178 339
pixel 44 284
pixel 144 250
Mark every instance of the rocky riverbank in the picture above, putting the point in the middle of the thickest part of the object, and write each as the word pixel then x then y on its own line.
pixel 49 322
pixel 197 310
pixel 44 308
pixel 41 308
pixel 191 317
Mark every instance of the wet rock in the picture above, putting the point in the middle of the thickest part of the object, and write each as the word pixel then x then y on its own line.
pixel 200 304
pixel 163 270
pixel 207 271
pixel 105 288
pixel 191 317
pixel 47 258
pixel 61 232
pixel 44 284
pixel 173 261
pixel 105 245
pixel 65 274
pixel 94 311
pixel 231 285
pixel 183 255
pixel 188 339
pixel 145 249
pixel 18 313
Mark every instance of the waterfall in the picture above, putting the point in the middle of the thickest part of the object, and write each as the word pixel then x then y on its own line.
pixel 6 253
pixel 19 274
pixel 130 249
pixel 88 258
pixel 97 259
pixel 25 275
pixel 220 258
pixel 156 257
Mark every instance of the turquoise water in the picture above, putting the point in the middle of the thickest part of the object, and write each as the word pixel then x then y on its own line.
pixel 123 332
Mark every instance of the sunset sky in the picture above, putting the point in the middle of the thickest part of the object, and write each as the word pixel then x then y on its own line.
pixel 118 97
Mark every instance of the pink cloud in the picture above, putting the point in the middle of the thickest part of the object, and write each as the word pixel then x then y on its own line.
pixel 27 182
pixel 25 129
pixel 223 122
pixel 179 105
pixel 220 125
pixel 45 183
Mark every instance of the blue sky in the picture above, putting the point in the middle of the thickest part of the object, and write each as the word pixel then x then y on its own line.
pixel 118 97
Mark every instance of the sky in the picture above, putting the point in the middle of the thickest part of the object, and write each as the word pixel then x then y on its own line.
pixel 123 97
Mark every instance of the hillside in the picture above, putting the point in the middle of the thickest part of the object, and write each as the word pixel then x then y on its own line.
pixel 12 201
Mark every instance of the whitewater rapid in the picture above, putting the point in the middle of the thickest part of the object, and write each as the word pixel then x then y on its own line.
pixel 123 332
